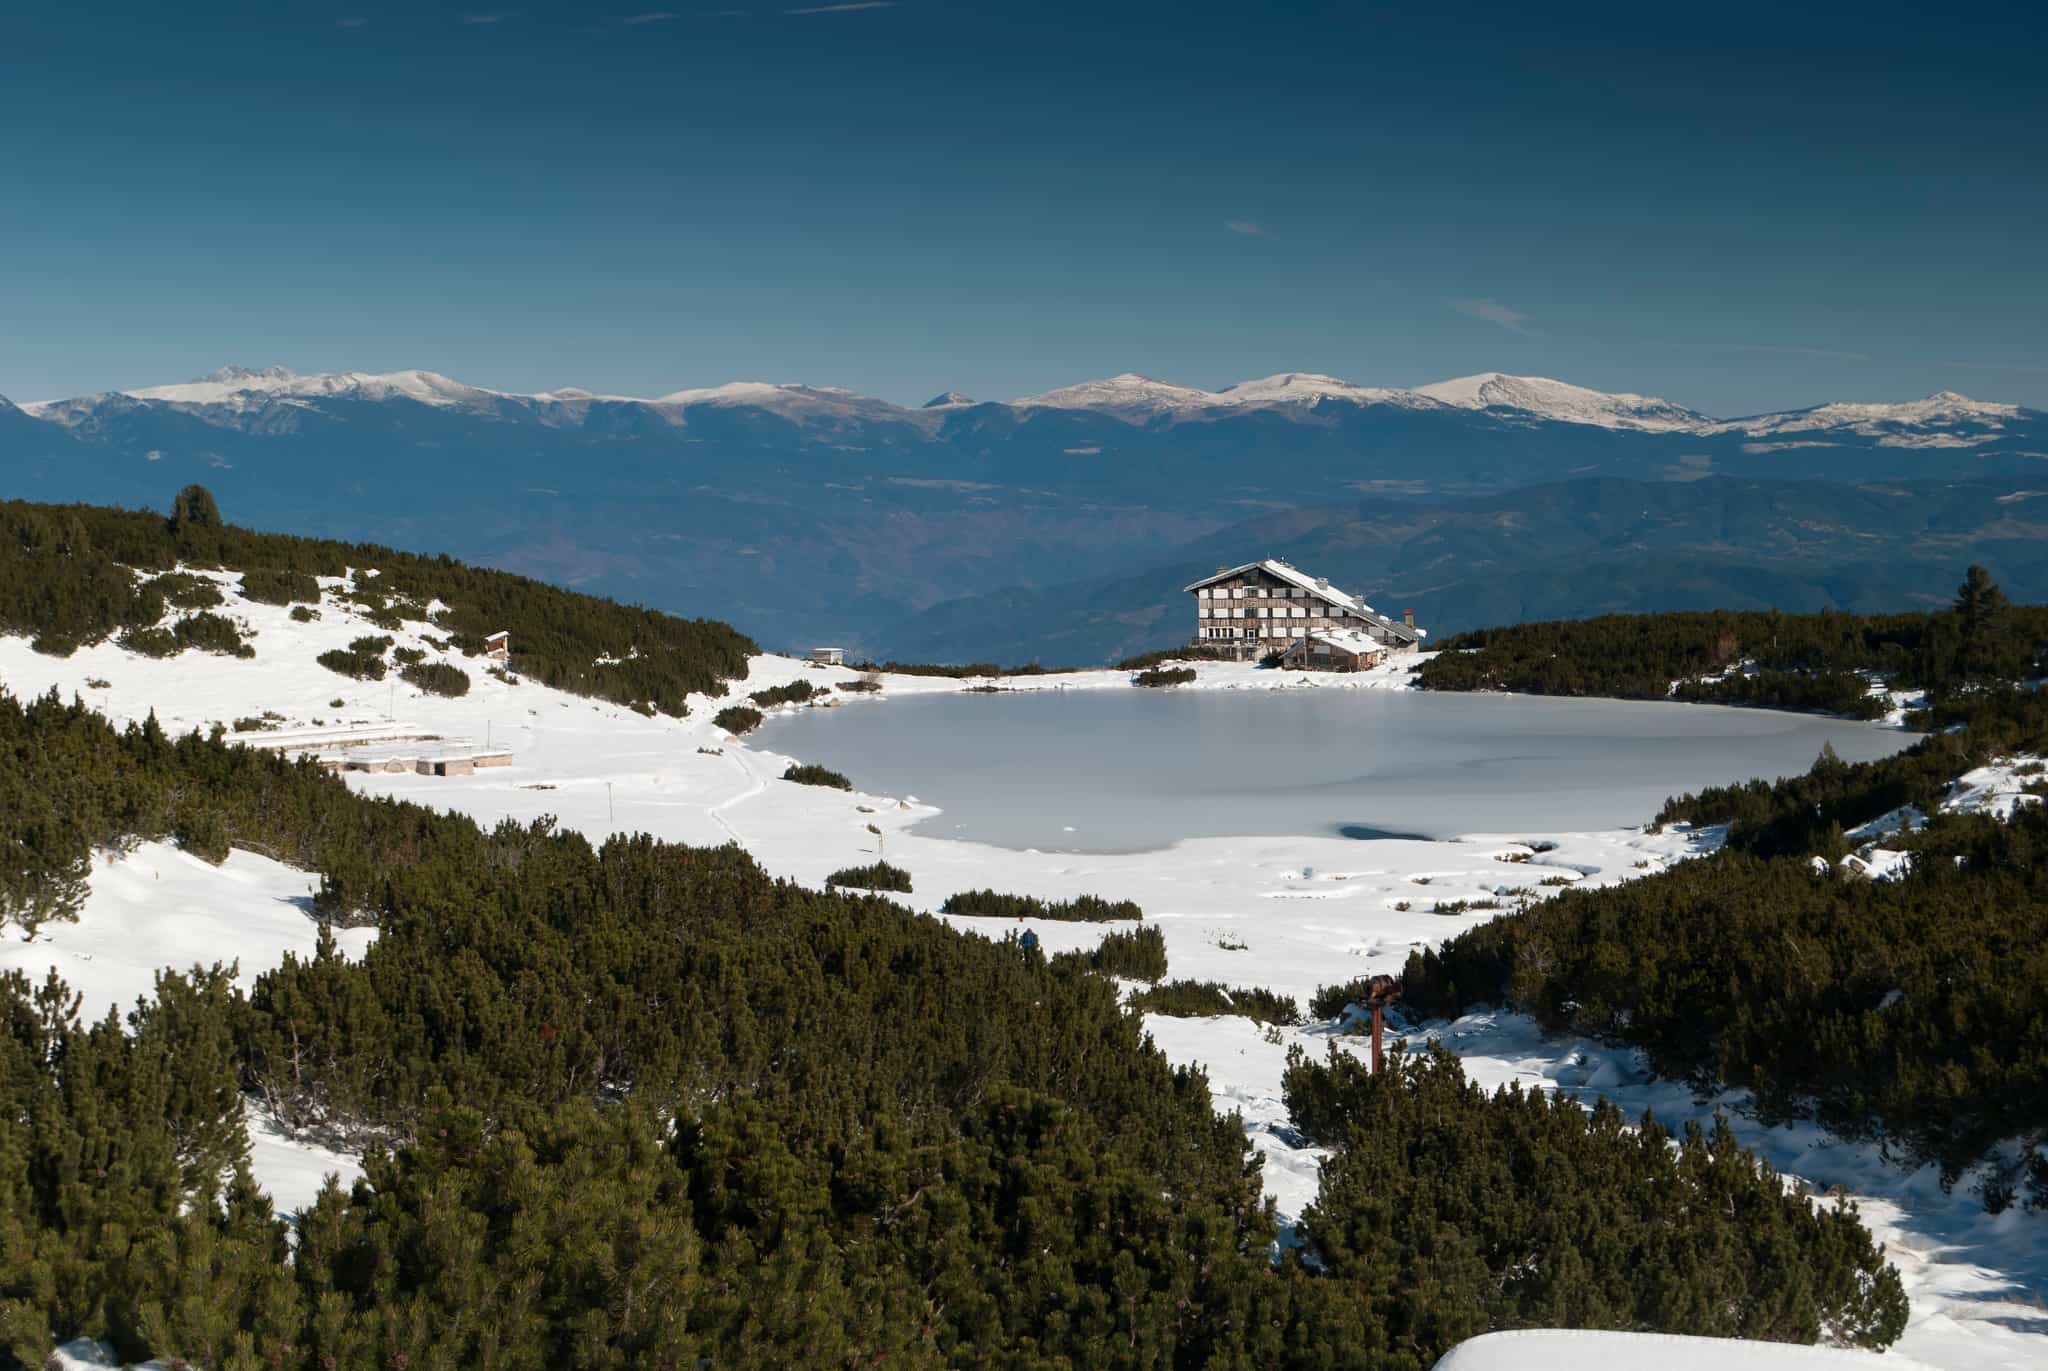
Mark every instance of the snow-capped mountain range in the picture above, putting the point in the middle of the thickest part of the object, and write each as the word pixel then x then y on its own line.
pixel 814 513
pixel 1945 419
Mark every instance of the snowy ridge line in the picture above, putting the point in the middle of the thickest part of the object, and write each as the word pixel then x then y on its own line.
pixel 1942 420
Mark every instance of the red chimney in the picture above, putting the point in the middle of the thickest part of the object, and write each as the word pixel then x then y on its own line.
pixel 1408 617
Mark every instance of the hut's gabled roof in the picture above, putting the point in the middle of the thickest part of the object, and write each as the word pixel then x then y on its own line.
pixel 1274 567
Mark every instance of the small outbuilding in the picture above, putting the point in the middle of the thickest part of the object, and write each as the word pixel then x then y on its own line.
pixel 828 656
pixel 498 647
pixel 1334 649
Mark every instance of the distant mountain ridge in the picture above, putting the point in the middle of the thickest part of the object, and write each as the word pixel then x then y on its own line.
pixel 1129 396
pixel 810 513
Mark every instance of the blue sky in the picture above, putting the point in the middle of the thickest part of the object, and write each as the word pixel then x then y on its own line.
pixel 1738 208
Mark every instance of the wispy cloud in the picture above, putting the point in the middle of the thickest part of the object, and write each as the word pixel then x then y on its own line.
pixel 1247 228
pixel 1493 312
pixel 651 17
pixel 487 18
pixel 354 21
pixel 847 8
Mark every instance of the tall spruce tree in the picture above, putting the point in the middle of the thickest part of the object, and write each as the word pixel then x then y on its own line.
pixel 1982 612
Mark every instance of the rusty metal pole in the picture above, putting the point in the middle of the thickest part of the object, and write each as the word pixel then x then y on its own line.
pixel 1380 992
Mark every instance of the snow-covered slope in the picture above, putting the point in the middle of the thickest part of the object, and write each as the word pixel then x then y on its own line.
pixel 236 390
pixel 221 385
pixel 159 907
pixel 156 908
pixel 1944 419
pixel 1540 397
pixel 1137 398
pixel 244 387
pixel 1306 388
pixel 791 401
pixel 1126 396
pixel 577 394
pixel 1552 1349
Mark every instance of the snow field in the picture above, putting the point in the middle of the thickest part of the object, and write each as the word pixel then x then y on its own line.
pixel 1576 1350
pixel 159 908
pixel 1288 914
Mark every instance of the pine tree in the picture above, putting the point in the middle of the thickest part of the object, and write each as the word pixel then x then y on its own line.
pixel 194 509
pixel 1982 611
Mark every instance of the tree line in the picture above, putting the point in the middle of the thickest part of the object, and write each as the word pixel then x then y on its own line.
pixel 1803 661
pixel 1003 905
pixel 68 578
pixel 1912 1010
pixel 1809 813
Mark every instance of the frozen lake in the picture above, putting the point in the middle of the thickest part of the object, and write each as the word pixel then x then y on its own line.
pixel 1127 770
